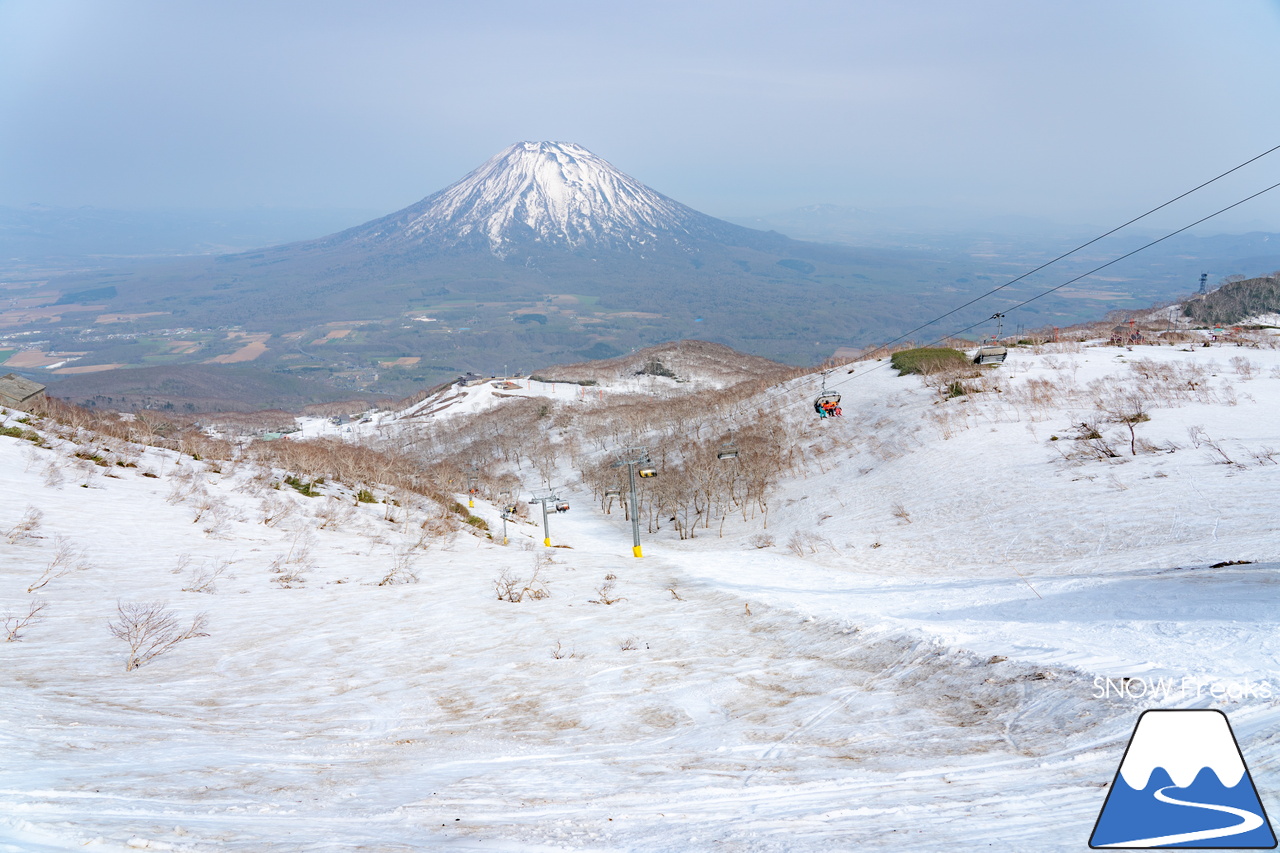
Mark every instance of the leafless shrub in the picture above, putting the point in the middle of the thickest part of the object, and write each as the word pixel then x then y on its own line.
pixel 401 571
pixel 217 522
pixel 630 644
pixel 1126 405
pixel 1264 455
pixel 433 529
pixel 606 593
pixel 13 624
pixel 1245 368
pixel 674 594
pixel 26 528
pixel 201 503
pixel 276 509
pixel 54 472
pixel 151 629
pixel 1148 446
pixel 761 540
pixel 332 514
pixel 513 588
pixel 181 486
pixel 560 652
pixel 1200 438
pixel 1216 453
pixel 900 512
pixel 795 544
pixel 205 579
pixel 289 568
pixel 1093 443
pixel 67 557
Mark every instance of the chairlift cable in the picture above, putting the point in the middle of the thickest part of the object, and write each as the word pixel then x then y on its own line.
pixel 1082 246
pixel 1099 268
pixel 852 376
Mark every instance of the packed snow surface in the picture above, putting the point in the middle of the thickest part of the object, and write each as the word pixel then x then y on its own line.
pixel 963 608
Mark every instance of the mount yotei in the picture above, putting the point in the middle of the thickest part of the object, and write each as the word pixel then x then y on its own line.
pixel 550 195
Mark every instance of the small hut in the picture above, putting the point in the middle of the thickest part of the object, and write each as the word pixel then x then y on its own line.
pixel 19 393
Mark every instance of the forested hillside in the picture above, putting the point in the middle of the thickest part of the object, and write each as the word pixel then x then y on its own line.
pixel 1237 301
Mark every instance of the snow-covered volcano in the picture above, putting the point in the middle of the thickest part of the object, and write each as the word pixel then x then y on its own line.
pixel 557 194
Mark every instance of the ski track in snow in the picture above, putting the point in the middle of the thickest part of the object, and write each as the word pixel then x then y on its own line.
pixel 851 698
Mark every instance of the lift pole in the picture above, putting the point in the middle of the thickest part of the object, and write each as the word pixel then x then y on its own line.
pixel 546 525
pixel 632 458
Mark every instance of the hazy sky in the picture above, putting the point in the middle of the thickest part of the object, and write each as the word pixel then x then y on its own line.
pixel 1073 110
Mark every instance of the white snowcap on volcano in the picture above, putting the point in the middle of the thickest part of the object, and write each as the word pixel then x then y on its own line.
pixel 1183 743
pixel 560 191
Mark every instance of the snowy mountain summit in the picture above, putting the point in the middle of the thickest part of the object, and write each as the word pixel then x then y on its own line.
pixel 557 194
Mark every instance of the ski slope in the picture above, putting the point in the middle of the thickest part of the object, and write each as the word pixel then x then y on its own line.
pixel 920 672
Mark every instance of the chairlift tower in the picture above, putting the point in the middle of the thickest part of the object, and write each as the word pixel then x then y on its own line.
pixel 544 499
pixel 636 460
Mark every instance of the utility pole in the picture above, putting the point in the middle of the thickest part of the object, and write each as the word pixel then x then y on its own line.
pixel 636 460
pixel 546 525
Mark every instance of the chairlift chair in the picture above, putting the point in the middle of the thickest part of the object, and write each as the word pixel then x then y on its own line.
pixel 562 506
pixel 613 493
pixel 827 399
pixel 991 355
pixel 646 471
pixel 728 450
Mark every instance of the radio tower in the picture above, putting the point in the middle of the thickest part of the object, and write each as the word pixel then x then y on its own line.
pixel 1203 288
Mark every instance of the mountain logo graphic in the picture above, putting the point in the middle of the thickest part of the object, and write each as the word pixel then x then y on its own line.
pixel 1183 783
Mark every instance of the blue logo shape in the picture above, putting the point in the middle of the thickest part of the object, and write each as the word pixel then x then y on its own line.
pixel 1183 783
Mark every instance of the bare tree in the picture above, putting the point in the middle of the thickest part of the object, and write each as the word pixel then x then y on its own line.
pixel 26 528
pixel 1127 405
pixel 513 588
pixel 66 558
pixel 206 579
pixel 401 571
pixel 13 624
pixel 606 593
pixel 151 629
